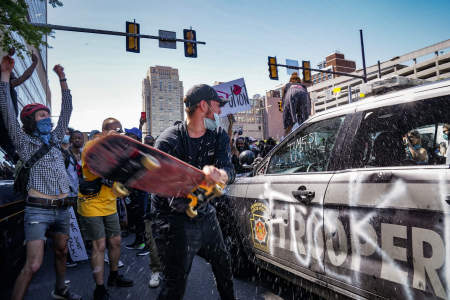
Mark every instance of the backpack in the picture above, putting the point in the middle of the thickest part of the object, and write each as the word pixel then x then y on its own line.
pixel 22 172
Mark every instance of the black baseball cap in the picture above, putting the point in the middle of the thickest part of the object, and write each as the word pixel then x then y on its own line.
pixel 201 92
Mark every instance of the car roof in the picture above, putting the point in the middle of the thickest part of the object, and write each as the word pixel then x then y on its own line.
pixel 421 92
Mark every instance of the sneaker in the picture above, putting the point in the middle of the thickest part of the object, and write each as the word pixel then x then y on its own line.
pixel 120 281
pixel 131 246
pixel 136 246
pixel 120 264
pixel 154 280
pixel 70 263
pixel 144 252
pixel 65 294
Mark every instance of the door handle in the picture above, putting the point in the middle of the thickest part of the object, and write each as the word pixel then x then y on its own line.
pixel 304 196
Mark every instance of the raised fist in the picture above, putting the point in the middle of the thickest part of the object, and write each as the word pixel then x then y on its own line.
pixel 59 70
pixel 7 64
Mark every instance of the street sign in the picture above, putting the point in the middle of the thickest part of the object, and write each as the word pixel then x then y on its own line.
pixel 163 34
pixel 293 63
pixel 336 90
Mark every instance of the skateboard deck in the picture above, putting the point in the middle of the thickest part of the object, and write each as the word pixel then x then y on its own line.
pixel 139 166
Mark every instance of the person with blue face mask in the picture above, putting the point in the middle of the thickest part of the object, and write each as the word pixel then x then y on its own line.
pixel 201 142
pixel 414 149
pixel 46 186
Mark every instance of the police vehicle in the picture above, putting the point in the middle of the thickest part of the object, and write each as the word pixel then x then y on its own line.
pixel 344 208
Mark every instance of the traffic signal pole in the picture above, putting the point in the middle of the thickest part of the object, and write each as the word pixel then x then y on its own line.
pixel 109 32
pixel 318 70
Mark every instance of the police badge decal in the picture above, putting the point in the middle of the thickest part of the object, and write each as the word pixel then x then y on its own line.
pixel 260 228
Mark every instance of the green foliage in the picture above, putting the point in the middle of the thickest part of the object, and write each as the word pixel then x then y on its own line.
pixel 14 20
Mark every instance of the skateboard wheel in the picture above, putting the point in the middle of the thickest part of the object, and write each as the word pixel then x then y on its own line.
pixel 149 162
pixel 191 213
pixel 120 190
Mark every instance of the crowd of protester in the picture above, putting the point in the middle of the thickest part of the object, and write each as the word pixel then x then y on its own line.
pixel 53 176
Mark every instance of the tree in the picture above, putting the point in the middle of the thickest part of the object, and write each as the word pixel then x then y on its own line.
pixel 14 19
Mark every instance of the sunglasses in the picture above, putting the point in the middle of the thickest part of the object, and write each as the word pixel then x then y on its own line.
pixel 118 130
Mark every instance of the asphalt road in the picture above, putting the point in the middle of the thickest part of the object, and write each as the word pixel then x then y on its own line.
pixel 200 285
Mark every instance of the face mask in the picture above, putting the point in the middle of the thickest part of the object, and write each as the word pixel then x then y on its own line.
pixel 66 139
pixel 43 129
pixel 445 136
pixel 212 124
pixel 44 126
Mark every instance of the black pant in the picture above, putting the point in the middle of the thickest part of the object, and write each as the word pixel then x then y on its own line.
pixel 136 212
pixel 179 239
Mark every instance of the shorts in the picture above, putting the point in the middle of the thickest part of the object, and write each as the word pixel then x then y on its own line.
pixel 38 220
pixel 96 228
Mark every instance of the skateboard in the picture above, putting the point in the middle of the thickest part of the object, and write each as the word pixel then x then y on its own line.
pixel 135 165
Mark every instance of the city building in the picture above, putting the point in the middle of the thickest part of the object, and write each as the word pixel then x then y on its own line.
pixel 335 62
pixel 162 99
pixel 431 63
pixel 251 121
pixel 36 88
pixel 272 117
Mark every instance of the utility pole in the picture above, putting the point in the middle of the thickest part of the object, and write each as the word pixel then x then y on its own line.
pixel 363 55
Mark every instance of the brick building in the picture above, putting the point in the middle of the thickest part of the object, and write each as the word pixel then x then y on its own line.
pixel 334 62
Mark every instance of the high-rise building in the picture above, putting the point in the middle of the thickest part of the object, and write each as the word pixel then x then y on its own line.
pixel 162 99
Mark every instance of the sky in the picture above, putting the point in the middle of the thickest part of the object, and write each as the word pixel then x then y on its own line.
pixel 105 80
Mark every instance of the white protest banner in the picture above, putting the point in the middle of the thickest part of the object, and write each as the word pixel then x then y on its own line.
pixel 236 92
pixel 75 242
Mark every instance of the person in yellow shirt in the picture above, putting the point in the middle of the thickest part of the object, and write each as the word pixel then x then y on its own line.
pixel 99 221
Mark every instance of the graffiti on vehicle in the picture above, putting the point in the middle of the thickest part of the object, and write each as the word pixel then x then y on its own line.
pixel 406 247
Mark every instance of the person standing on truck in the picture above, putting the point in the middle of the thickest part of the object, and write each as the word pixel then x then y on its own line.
pixel 296 104
pixel 200 142
pixel 46 186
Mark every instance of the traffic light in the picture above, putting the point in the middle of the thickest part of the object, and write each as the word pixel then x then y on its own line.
pixel 273 69
pixel 306 73
pixel 190 49
pixel 132 42
pixel 280 106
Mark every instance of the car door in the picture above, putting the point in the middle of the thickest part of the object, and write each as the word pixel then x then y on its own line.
pixel 284 202
pixel 386 216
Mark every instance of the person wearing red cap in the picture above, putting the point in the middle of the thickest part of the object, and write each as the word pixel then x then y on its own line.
pixel 47 185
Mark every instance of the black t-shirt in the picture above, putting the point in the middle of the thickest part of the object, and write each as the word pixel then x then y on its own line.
pixel 213 148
